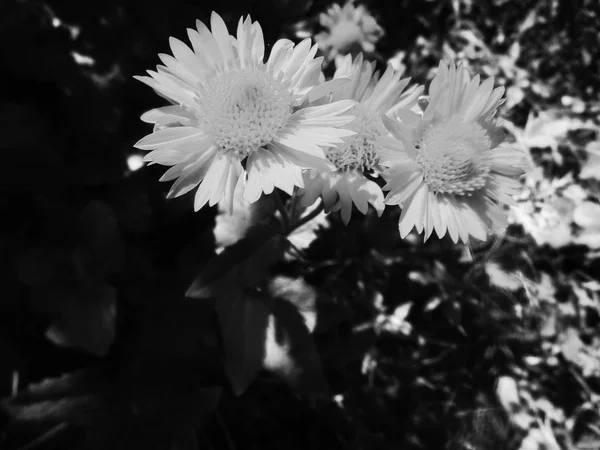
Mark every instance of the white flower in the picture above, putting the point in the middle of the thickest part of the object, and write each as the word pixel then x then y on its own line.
pixel 359 152
pixel 348 30
pixel 451 174
pixel 230 107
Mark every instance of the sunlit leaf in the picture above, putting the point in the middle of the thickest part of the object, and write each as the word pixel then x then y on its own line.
pixel 290 351
pixel 587 215
pixel 503 279
pixel 591 167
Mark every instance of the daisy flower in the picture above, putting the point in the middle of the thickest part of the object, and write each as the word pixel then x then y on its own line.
pixel 348 29
pixel 452 174
pixel 237 119
pixel 359 153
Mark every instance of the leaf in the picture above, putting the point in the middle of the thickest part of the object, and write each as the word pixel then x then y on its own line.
pixel 185 439
pixel 501 278
pixel 87 318
pixel 101 244
pixel 298 293
pixel 508 393
pixel 291 352
pixel 72 397
pixel 241 265
pixel 571 346
pixel 548 129
pixel 591 167
pixel 243 319
pixel 587 215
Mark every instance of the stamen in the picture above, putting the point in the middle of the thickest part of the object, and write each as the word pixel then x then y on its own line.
pixel 243 110
pixel 455 157
pixel 358 151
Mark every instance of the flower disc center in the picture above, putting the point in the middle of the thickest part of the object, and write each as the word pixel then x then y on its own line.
pixel 244 109
pixel 358 152
pixel 454 157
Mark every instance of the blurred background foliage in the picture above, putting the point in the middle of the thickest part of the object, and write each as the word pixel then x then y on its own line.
pixel 421 345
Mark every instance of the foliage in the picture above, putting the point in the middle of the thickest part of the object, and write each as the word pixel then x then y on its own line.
pixel 124 323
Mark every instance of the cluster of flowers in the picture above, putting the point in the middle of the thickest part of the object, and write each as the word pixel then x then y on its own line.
pixel 238 120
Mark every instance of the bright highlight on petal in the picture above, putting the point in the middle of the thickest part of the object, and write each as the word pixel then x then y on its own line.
pixel 449 173
pixel 236 118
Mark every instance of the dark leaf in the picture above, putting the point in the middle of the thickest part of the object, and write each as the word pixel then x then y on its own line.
pixel 185 439
pixel 73 397
pixel 243 318
pixel 87 319
pixel 241 265
pixel 102 246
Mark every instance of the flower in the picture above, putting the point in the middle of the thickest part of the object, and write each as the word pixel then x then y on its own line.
pixel 348 30
pixel 230 107
pixel 452 174
pixel 359 153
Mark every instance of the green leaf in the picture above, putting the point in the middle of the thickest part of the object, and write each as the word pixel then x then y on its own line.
pixel 242 265
pixel 291 352
pixel 243 318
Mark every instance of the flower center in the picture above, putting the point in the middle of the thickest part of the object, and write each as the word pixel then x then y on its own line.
pixel 455 157
pixel 358 152
pixel 244 109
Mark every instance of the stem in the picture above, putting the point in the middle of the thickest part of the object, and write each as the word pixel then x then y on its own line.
pixel 310 216
pixel 281 208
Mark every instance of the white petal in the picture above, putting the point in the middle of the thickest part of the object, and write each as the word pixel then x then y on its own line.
pixel 169 137
pixel 192 174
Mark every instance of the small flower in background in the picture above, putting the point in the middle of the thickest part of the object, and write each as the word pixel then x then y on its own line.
pixel 348 29
pixel 230 107
pixel 359 154
pixel 449 171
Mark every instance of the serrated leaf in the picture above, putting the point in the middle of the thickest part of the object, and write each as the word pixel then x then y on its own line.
pixel 291 352
pixel 243 318
pixel 241 265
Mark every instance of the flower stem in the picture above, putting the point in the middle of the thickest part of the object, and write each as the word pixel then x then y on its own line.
pixel 307 218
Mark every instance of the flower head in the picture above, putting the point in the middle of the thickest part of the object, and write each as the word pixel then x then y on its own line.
pixel 237 119
pixel 348 29
pixel 448 170
pixel 359 153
